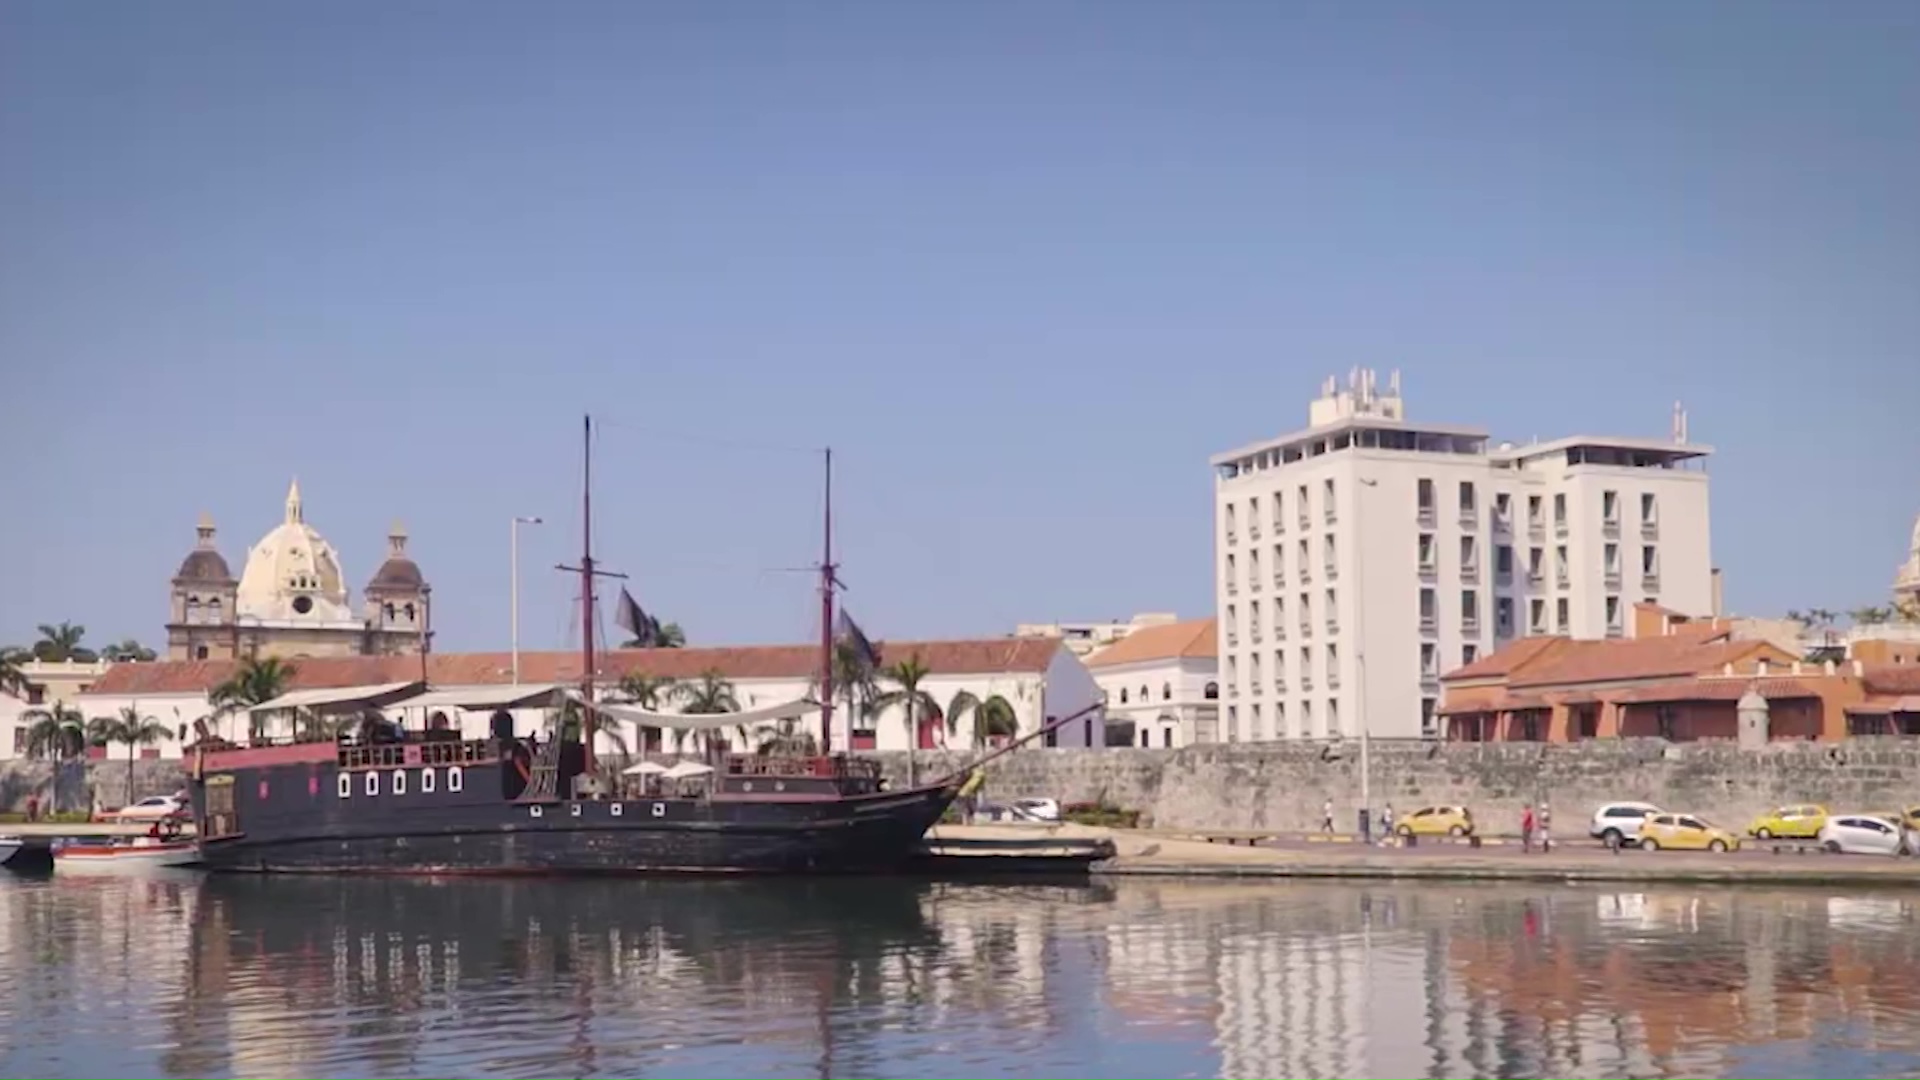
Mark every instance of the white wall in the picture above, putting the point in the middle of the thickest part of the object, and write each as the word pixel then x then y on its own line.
pixel 1070 688
pixel 1176 694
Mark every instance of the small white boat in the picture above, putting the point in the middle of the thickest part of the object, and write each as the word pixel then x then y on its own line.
pixel 138 855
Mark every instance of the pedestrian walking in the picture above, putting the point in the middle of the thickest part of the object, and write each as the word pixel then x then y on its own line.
pixel 1386 823
pixel 1546 827
pixel 1326 817
pixel 1526 829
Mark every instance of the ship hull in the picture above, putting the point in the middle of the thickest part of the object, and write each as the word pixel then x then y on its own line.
pixel 877 832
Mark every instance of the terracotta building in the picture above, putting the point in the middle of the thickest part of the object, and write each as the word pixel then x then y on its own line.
pixel 1680 680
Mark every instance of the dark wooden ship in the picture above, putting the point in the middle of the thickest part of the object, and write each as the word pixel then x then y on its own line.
pixel 386 799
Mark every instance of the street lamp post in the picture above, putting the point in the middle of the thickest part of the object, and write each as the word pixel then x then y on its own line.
pixel 513 591
pixel 1360 660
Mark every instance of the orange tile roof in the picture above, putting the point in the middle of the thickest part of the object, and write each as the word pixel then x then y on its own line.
pixel 1508 660
pixel 1892 678
pixel 1714 690
pixel 1195 638
pixel 1029 655
pixel 1623 660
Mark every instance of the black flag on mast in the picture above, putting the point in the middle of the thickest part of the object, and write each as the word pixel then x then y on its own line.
pixel 628 616
pixel 849 631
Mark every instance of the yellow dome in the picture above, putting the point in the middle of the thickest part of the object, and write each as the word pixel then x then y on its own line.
pixel 293 574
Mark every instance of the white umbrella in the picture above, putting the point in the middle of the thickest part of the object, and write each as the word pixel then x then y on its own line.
pixel 685 769
pixel 645 768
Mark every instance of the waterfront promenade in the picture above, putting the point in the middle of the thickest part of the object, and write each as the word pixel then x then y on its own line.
pixel 1170 853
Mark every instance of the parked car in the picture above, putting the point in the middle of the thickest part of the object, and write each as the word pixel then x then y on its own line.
pixel 1864 834
pixel 1684 832
pixel 152 808
pixel 1800 822
pixel 1617 824
pixel 1437 821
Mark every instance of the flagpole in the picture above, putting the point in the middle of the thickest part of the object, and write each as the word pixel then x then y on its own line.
pixel 826 618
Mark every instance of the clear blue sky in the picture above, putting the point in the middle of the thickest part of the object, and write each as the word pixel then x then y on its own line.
pixel 1024 265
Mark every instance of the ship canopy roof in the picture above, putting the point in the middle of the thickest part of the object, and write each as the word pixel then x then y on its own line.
pixel 342 698
pixel 481 698
pixel 701 721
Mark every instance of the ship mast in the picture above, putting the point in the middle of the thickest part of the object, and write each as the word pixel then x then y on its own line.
pixel 587 573
pixel 828 582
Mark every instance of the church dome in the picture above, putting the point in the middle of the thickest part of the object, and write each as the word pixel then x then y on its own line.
pixel 204 564
pixel 293 574
pixel 399 573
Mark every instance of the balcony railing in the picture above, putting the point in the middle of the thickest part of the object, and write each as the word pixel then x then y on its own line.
pixel 1280 632
pixel 1536 530
pixel 1279 686
pixel 1233 588
pixel 1536 578
pixel 1306 521
pixel 1333 624
pixel 1429 517
pixel 1254 636
pixel 1306 628
pixel 1469 518
pixel 1429 624
pixel 1332 515
pixel 1614 631
pixel 1503 577
pixel 1470 625
pixel 1502 523
pixel 1233 640
pixel 1232 537
pixel 1253 532
pixel 1306 576
pixel 1650 530
pixel 1279 579
pixel 1253 583
pixel 1233 690
pixel 1611 579
pixel 1256 687
pixel 1470 574
pixel 1503 629
pixel 1429 571
pixel 1333 680
pixel 1610 528
pixel 1306 684
pixel 1650 581
pixel 1560 527
pixel 1332 571
pixel 1563 579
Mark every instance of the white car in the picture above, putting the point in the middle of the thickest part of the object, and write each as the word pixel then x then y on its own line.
pixel 1863 834
pixel 1618 824
pixel 152 808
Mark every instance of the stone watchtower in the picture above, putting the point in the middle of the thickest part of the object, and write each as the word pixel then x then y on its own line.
pixel 396 600
pixel 200 622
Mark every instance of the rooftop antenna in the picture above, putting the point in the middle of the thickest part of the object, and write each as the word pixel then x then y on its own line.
pixel 1679 424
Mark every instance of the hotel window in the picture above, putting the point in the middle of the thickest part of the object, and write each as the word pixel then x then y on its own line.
pixel 1306 718
pixel 1253 518
pixel 1560 510
pixel 1253 672
pixel 1649 509
pixel 1253 619
pixel 1327 508
pixel 1233 722
pixel 1305 669
pixel 1503 562
pixel 1300 506
pixel 1469 499
pixel 1610 507
pixel 1233 571
pixel 1301 567
pixel 1123 691
pixel 1502 509
pixel 1333 717
pixel 1306 613
pixel 1253 723
pixel 1649 560
pixel 1254 580
pixel 1429 717
pixel 1279 566
pixel 1469 555
pixel 1429 607
pixel 1470 607
pixel 1280 729
pixel 1536 560
pixel 1533 512
pixel 1429 560
pixel 1429 658
pixel 1329 557
pixel 1563 616
pixel 1233 670
pixel 1560 564
pixel 1613 614
pixel 1166 691
pixel 1333 665
pixel 1536 616
pixel 1230 522
pixel 1611 558
pixel 1468 654
pixel 1423 489
pixel 1503 616
pixel 1279 520
pixel 1333 612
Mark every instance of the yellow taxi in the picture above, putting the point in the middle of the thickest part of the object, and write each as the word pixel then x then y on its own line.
pixel 1685 832
pixel 1802 822
pixel 1437 821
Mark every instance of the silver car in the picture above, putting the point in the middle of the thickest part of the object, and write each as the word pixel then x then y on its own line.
pixel 1618 824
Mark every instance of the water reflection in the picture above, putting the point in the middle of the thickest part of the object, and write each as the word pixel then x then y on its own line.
pixel 271 977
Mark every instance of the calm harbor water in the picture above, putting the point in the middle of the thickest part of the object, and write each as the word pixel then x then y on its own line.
pixel 194 976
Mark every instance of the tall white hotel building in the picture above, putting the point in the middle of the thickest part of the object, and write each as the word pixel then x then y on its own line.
pixel 1359 559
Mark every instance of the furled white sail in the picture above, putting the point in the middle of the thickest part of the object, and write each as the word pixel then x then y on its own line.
pixel 633 714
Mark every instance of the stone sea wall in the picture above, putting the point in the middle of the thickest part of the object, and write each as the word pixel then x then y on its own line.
pixel 79 785
pixel 1284 786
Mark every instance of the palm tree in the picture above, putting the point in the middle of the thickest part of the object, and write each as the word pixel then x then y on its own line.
pixel 992 715
pixel 256 682
pixel 648 692
pixel 711 696
pixel 130 729
pixel 1870 616
pixel 127 650
pixel 58 732
pixel 59 644
pixel 906 677
pixel 12 679
pixel 665 636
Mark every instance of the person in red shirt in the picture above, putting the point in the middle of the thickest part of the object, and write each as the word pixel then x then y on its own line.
pixel 1526 828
